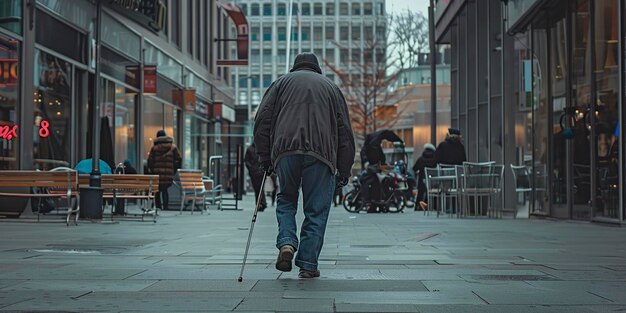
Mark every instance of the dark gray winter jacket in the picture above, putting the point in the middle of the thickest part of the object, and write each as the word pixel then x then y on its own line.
pixel 303 112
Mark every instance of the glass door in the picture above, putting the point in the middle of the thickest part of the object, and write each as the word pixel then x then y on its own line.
pixel 604 121
pixel 574 119
pixel 559 76
pixel 540 129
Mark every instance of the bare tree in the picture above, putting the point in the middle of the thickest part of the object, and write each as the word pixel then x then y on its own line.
pixel 366 77
pixel 410 37
pixel 368 72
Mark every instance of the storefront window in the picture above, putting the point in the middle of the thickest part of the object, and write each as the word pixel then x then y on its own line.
pixel 125 139
pixel 195 153
pixel 9 62
pixel 156 116
pixel 576 120
pixel 152 123
pixel 52 120
pixel 170 119
pixel 80 13
pixel 517 8
pixel 540 116
pixel 11 15
pixel 606 110
pixel 558 75
pixel 167 66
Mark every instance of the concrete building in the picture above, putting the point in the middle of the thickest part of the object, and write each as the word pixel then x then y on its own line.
pixel 414 122
pixel 335 30
pixel 153 54
pixel 540 83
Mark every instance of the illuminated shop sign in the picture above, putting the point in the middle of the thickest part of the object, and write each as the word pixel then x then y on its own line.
pixel 8 72
pixel 8 130
pixel 151 13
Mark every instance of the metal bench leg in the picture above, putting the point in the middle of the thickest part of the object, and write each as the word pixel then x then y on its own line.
pixel 193 203
pixel 182 202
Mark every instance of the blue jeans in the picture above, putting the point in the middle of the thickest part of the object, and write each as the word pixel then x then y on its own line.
pixel 318 186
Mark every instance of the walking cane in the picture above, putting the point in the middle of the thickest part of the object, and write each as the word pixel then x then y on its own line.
pixel 256 210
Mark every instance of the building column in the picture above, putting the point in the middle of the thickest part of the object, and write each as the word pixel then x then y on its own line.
pixel 26 110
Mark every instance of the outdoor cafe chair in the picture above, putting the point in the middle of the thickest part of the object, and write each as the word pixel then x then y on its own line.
pixel 448 186
pixel 495 204
pixel 477 184
pixel 433 190
pixel 521 177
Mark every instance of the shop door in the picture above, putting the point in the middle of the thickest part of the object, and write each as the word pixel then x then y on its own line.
pixel 559 103
pixel 574 120
pixel 540 129
pixel 604 112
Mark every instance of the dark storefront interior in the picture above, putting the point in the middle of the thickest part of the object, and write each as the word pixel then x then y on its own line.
pixel 553 70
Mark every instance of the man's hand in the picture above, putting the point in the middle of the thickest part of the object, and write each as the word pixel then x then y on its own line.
pixel 267 168
pixel 340 182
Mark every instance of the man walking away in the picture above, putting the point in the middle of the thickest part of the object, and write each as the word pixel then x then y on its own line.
pixel 164 160
pixel 256 175
pixel 303 132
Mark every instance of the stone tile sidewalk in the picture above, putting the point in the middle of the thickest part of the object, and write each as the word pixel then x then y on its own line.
pixel 370 263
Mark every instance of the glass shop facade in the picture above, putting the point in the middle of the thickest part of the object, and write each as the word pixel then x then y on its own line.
pixel 154 73
pixel 541 83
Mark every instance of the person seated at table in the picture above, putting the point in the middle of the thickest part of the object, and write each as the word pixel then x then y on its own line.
pixel 427 159
pixel 450 151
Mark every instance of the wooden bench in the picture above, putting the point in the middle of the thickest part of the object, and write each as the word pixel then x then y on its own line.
pixel 191 189
pixel 57 184
pixel 129 186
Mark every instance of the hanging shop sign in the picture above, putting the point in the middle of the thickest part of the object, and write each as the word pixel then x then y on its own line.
pixel 241 24
pixel 150 79
pixel 8 72
pixel 185 98
pixel 130 75
pixel 202 109
pixel 150 13
pixel 223 112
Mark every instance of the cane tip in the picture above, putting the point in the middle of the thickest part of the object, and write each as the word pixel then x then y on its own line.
pixel 240 279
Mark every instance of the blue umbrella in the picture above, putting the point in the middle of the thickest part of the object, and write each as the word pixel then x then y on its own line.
pixel 84 167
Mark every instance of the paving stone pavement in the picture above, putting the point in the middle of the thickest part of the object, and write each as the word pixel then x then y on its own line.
pixel 370 263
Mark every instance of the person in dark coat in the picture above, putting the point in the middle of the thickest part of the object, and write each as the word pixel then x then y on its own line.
pixel 303 131
pixel 427 159
pixel 451 150
pixel 164 160
pixel 256 175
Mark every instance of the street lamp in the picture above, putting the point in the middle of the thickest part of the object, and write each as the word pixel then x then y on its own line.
pixel 433 72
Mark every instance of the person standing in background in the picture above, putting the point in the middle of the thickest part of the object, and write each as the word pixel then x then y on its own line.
pixel 164 160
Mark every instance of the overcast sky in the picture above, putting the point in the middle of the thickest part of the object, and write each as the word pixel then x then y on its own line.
pixel 395 6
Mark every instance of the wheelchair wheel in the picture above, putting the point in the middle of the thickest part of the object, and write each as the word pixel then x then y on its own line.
pixel 352 202
pixel 396 204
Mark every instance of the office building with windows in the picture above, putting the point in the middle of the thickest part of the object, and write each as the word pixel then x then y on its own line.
pixel 337 31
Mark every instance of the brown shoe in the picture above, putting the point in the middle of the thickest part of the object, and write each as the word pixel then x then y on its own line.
pixel 308 274
pixel 285 255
